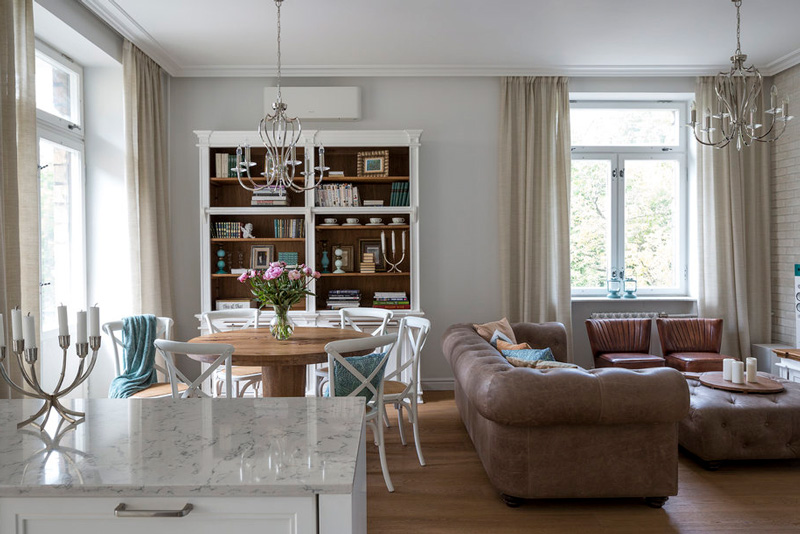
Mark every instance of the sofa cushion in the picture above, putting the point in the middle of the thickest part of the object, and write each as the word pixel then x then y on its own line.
pixel 530 355
pixel 629 360
pixel 695 362
pixel 486 330
pixel 498 336
pixel 541 364
pixel 504 345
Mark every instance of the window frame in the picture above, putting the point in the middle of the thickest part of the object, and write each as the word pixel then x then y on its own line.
pixel 616 191
pixel 54 57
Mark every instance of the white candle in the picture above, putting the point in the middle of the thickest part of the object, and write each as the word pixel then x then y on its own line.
pixel 16 324
pixel 94 321
pixel 63 324
pixel 403 240
pixel 29 332
pixel 752 370
pixel 383 243
pixel 737 373
pixel 2 332
pixel 727 365
pixel 81 327
pixel 393 242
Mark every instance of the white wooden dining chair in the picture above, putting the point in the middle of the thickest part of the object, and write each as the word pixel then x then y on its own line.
pixel 400 386
pixel 243 378
pixel 161 388
pixel 169 349
pixel 350 318
pixel 368 381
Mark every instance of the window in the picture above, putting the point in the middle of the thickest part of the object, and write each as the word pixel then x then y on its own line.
pixel 61 186
pixel 628 196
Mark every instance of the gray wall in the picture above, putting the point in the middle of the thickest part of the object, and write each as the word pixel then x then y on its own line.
pixel 458 206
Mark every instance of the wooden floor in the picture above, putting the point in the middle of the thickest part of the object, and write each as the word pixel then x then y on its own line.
pixel 453 494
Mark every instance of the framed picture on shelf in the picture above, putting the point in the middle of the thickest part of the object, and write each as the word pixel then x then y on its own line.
pixel 261 256
pixel 233 304
pixel 348 265
pixel 372 246
pixel 373 163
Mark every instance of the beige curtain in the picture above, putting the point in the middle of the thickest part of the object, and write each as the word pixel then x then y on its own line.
pixel 19 181
pixel 146 182
pixel 734 236
pixel 534 183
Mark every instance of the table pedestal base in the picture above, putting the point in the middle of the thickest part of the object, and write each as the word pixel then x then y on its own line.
pixel 283 381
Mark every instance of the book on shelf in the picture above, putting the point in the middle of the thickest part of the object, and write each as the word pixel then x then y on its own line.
pixel 399 194
pixel 289 258
pixel 373 202
pixel 225 165
pixel 336 174
pixel 343 298
pixel 289 228
pixel 391 300
pixel 226 230
pixel 336 196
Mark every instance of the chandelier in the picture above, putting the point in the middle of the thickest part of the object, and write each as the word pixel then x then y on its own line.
pixel 280 134
pixel 735 117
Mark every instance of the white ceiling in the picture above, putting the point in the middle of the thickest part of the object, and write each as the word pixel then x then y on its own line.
pixel 449 37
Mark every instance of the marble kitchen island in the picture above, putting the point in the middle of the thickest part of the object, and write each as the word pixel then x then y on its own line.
pixel 293 465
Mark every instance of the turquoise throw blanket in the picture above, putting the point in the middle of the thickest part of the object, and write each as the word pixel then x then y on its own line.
pixel 138 355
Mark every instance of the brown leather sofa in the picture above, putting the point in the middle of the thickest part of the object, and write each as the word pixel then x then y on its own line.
pixel 562 433
pixel 622 343
pixel 691 345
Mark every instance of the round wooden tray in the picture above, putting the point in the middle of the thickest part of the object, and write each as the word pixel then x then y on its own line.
pixel 764 384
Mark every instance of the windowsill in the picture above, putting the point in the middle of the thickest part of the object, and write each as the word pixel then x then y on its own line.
pixel 676 298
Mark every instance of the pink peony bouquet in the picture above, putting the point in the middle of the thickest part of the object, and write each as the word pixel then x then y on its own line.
pixel 279 286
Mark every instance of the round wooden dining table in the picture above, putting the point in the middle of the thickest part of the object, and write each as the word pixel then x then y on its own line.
pixel 283 363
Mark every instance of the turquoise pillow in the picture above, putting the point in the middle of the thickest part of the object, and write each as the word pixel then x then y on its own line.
pixel 345 383
pixel 530 355
pixel 499 335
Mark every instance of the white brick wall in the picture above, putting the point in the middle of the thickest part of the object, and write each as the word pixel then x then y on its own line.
pixel 785 217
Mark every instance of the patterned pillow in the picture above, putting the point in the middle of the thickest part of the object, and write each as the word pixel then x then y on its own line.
pixel 499 336
pixel 542 364
pixel 345 383
pixel 486 330
pixel 504 345
pixel 530 355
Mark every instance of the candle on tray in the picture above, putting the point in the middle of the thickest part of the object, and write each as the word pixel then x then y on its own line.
pixel 16 324
pixel 63 324
pixel 29 331
pixel 94 321
pixel 81 336
pixel 752 370
pixel 727 365
pixel 737 373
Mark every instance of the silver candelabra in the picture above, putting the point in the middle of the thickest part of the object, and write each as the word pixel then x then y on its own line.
pixel 26 360
pixel 394 266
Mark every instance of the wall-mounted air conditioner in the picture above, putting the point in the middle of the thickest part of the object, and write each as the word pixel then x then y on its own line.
pixel 317 103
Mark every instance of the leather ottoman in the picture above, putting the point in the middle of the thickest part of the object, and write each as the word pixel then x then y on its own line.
pixel 723 425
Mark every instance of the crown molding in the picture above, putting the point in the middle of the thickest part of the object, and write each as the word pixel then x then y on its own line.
pixel 116 17
pixel 325 71
pixel 782 63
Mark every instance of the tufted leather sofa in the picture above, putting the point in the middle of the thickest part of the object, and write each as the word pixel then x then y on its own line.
pixel 622 343
pixel 566 432
pixel 691 345
pixel 735 426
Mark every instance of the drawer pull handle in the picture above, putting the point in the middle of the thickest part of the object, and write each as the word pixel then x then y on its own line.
pixel 122 511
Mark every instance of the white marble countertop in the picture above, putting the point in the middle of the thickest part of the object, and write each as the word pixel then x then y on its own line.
pixel 166 447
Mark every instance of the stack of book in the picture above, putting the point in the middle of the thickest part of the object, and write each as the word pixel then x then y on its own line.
pixel 336 196
pixel 367 263
pixel 273 195
pixel 373 202
pixel 399 195
pixel 391 300
pixel 289 228
pixel 344 298
pixel 226 230
pixel 224 164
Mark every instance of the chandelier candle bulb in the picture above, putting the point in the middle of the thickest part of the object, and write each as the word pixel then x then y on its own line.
pixel 63 324
pixel 16 324
pixel 694 112
pixel 81 335
pixel 752 370
pixel 727 366
pixel 29 331
pixel 2 332
pixel 737 373
pixel 773 98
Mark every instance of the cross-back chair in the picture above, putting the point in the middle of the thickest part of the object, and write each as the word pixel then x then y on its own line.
pixel 242 378
pixel 169 349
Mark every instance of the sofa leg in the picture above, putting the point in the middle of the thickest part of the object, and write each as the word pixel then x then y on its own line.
pixel 511 502
pixel 712 465
pixel 656 502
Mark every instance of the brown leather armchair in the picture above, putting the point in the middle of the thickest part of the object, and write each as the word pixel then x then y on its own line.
pixel 691 345
pixel 622 343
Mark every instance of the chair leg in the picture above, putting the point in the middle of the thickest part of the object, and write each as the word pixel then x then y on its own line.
pixel 218 387
pixel 386 419
pixel 378 428
pixel 399 407
pixel 412 413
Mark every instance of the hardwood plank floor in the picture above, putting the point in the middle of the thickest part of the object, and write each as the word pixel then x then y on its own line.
pixel 453 494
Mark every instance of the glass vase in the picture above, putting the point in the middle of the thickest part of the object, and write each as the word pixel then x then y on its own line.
pixel 281 326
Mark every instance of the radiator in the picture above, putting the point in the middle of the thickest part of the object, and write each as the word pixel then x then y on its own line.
pixel 640 315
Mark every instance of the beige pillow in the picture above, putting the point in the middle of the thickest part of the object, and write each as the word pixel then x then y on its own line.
pixel 486 330
pixel 505 345
pixel 541 364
